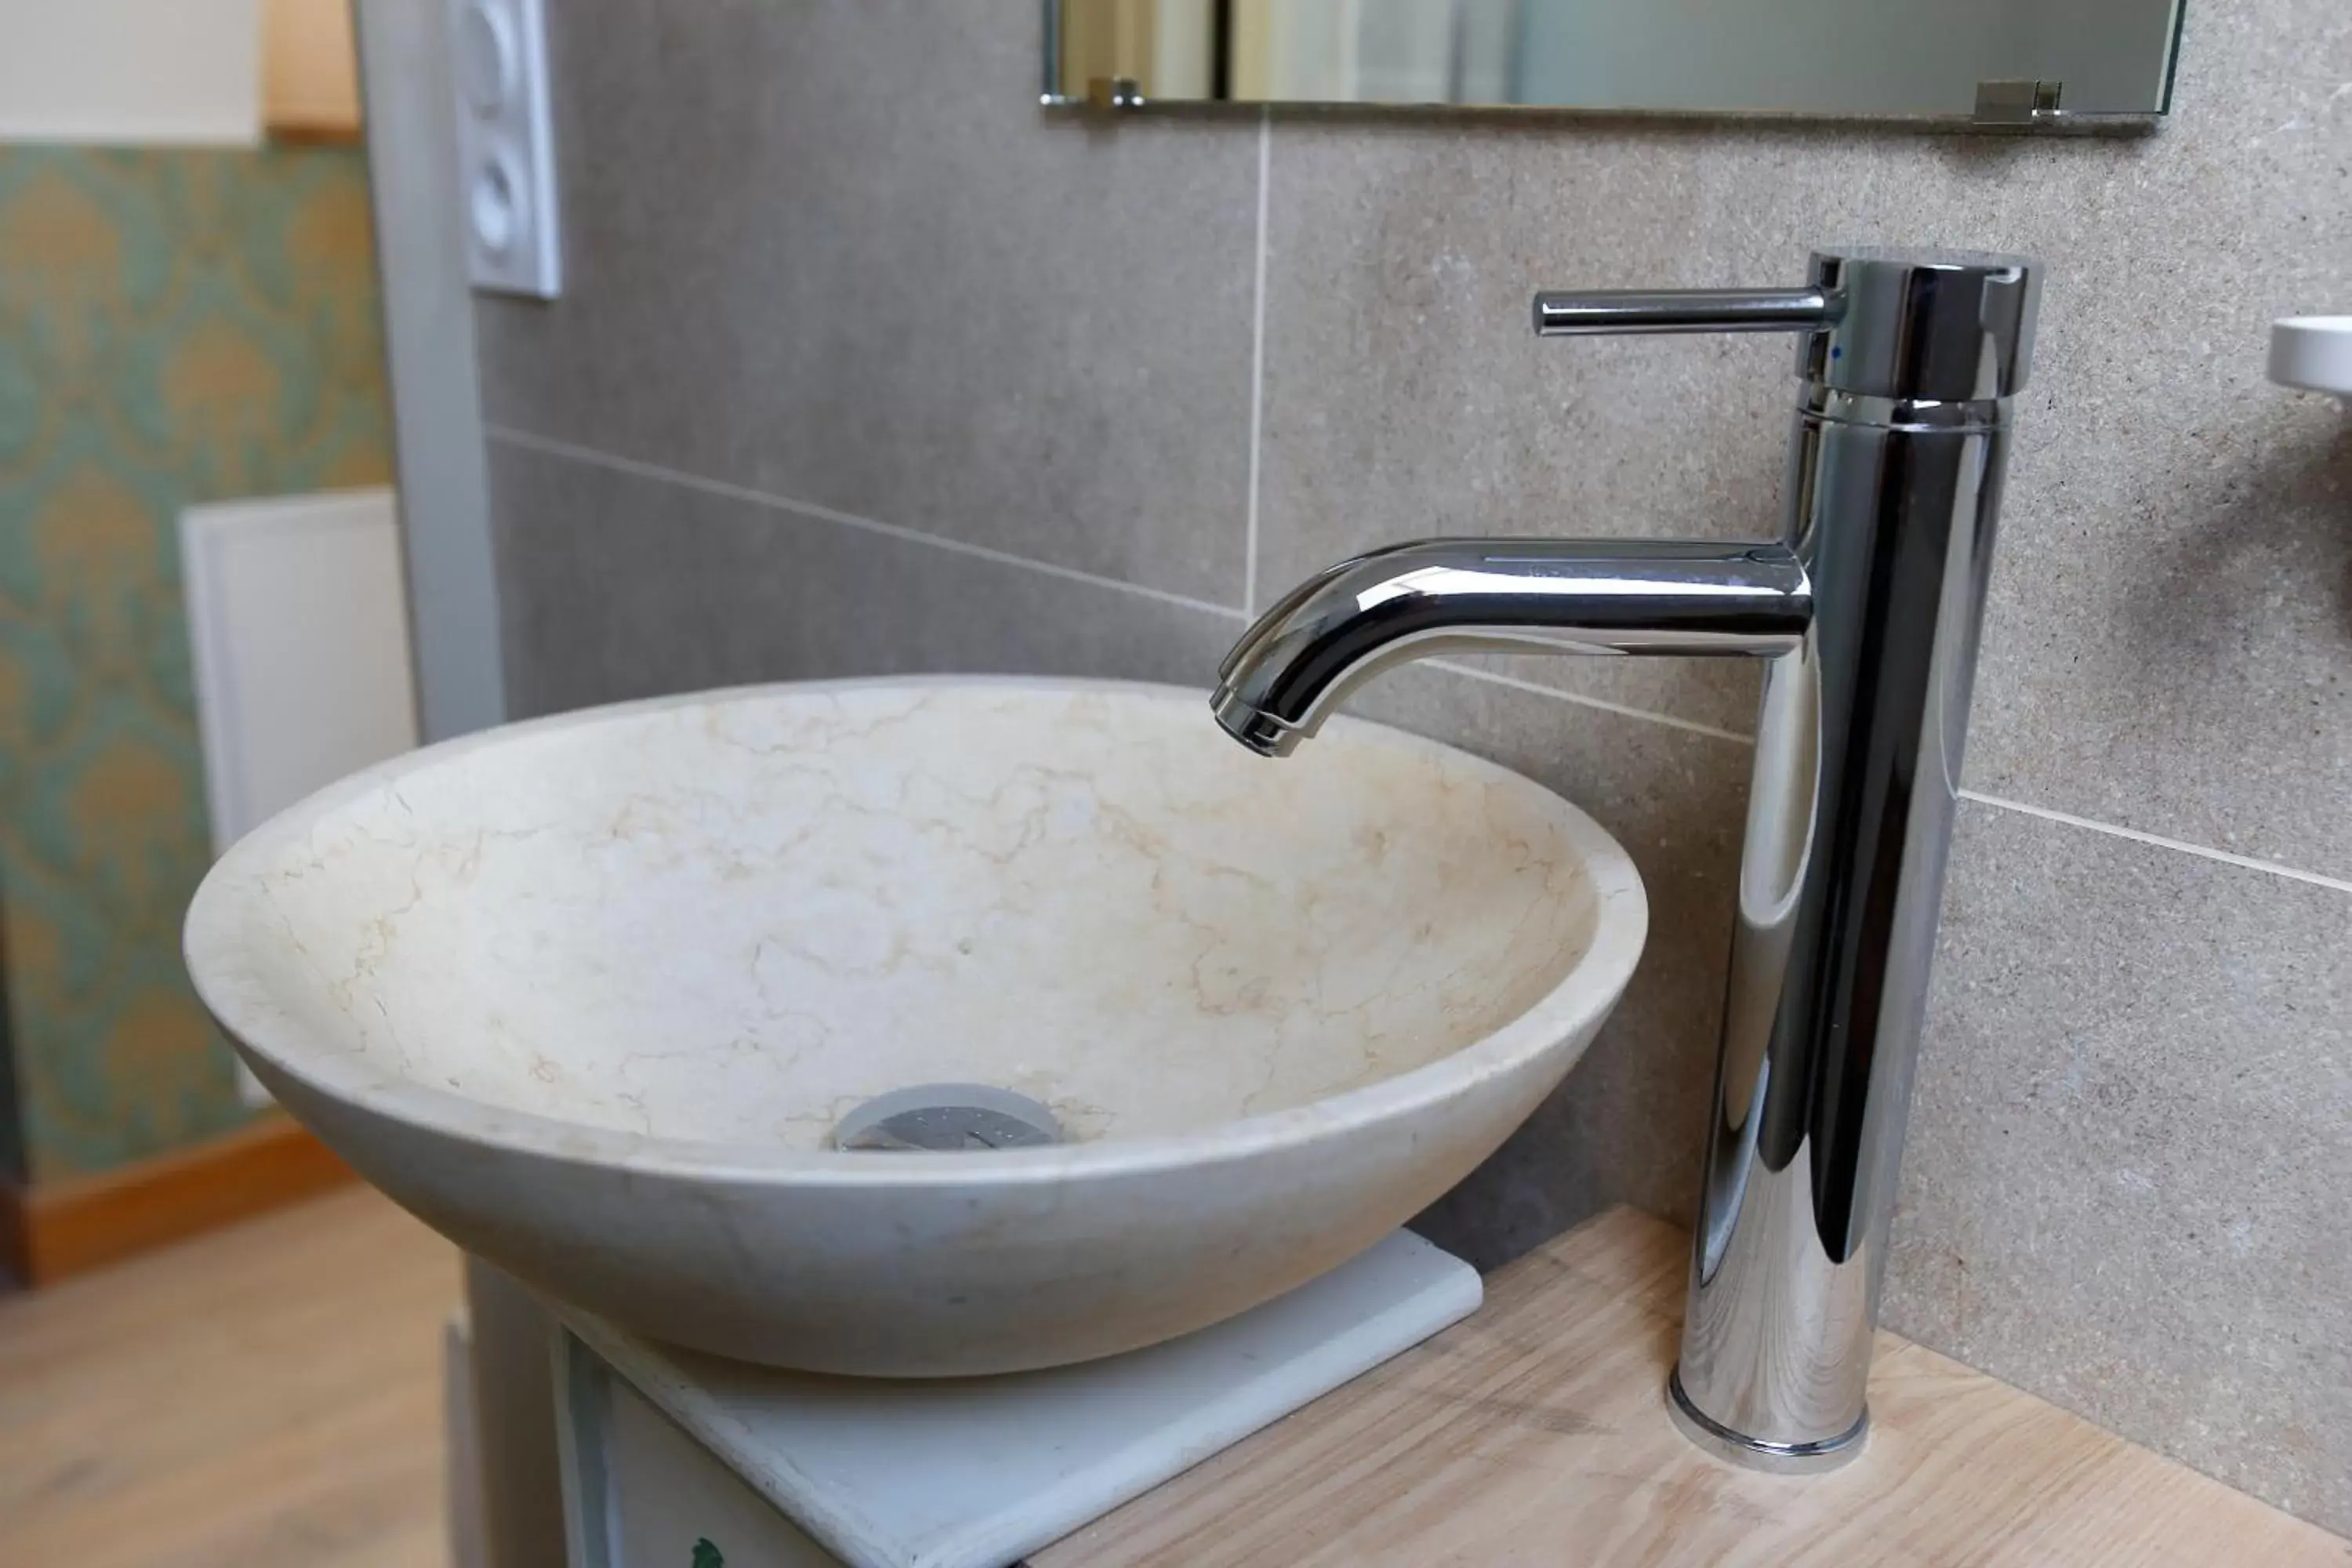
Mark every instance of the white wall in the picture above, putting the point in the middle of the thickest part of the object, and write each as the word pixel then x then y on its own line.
pixel 143 71
pixel 428 313
pixel 298 634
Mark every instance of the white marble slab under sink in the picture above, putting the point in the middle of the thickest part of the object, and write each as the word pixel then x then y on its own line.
pixel 972 1472
pixel 588 994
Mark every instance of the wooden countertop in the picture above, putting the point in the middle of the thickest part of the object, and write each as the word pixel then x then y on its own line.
pixel 1537 1433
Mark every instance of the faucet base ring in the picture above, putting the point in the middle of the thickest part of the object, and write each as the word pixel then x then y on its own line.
pixel 1754 1453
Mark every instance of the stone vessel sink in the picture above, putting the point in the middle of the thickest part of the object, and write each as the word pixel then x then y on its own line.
pixel 589 995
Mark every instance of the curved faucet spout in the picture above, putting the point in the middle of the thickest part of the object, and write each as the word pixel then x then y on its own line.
pixel 1550 595
pixel 1908 364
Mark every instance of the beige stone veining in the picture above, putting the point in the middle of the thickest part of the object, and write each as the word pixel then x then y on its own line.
pixel 677 939
pixel 1029 924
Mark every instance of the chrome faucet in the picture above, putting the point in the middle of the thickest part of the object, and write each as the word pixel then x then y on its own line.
pixel 1867 611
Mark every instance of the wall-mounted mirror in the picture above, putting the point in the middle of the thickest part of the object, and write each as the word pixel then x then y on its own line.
pixel 2041 62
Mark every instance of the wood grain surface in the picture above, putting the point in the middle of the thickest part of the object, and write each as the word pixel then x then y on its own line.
pixel 268 1396
pixel 1536 1433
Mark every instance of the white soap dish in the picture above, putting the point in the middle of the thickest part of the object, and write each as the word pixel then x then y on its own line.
pixel 2314 352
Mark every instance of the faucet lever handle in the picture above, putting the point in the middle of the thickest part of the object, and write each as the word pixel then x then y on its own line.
pixel 1932 326
pixel 1590 312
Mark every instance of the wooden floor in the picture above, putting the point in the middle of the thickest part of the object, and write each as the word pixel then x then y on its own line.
pixel 267 1396
pixel 270 1398
pixel 1536 1433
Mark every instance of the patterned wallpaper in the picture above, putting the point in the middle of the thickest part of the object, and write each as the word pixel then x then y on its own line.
pixel 175 327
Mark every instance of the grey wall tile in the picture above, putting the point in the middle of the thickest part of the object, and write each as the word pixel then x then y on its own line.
pixel 2169 643
pixel 832 252
pixel 835 251
pixel 638 586
pixel 618 585
pixel 1407 395
pixel 1629 1123
pixel 2131 1150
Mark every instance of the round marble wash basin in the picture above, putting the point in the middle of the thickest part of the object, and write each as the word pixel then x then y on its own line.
pixel 589 995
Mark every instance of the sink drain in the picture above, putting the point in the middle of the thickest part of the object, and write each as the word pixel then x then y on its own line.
pixel 948 1117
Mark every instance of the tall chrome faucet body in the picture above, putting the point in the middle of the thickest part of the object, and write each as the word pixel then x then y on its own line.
pixel 1866 611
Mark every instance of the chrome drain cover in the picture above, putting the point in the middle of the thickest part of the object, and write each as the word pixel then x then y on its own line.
pixel 948 1118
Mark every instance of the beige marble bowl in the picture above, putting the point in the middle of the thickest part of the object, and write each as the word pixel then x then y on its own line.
pixel 588 994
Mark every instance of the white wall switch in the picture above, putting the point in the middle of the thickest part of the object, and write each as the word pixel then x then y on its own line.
pixel 506 152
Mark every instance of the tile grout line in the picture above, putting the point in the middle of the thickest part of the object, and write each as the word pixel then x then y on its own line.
pixel 2157 840
pixel 1257 363
pixel 1536 689
pixel 592 458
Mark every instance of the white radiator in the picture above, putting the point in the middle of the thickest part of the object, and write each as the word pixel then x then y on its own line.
pixel 297 629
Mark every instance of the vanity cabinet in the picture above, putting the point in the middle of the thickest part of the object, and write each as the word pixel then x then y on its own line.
pixel 639 1492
